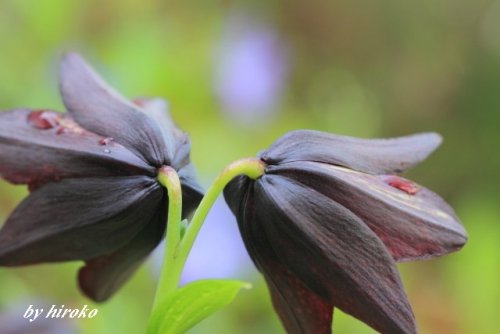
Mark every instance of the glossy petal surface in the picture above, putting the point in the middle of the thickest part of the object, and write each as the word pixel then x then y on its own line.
pixel 178 143
pixel 325 246
pixel 99 108
pixel 102 276
pixel 92 173
pixel 412 225
pixel 329 218
pixel 301 311
pixel 78 219
pixel 35 156
pixel 374 156
pixel 157 109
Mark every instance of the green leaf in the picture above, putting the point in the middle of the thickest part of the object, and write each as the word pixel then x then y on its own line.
pixel 192 303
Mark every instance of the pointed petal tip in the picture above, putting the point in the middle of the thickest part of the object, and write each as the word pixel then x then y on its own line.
pixel 437 136
pixel 412 226
pixel 99 108
pixel 433 139
pixel 74 70
pixel 73 66
pixel 69 55
pixel 373 156
pixel 84 287
pixel 461 240
pixel 70 59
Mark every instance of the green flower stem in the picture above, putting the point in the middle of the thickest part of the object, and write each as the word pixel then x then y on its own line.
pixel 177 249
pixel 168 178
pixel 251 167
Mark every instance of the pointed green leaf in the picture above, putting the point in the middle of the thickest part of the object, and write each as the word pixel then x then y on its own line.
pixel 192 303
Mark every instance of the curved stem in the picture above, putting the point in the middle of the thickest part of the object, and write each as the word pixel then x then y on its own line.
pixel 168 178
pixel 251 167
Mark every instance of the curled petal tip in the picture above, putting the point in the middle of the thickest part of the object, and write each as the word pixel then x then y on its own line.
pixel 374 156
pixel 412 221
pixel 99 108
pixel 427 141
pixel 70 56
pixel 438 139
pixel 72 61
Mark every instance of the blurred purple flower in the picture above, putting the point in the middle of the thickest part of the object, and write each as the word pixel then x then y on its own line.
pixel 224 258
pixel 250 71
pixel 227 257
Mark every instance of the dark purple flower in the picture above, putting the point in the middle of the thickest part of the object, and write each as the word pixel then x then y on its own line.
pixel 328 220
pixel 92 175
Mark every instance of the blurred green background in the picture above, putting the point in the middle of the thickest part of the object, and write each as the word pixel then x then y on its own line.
pixel 238 74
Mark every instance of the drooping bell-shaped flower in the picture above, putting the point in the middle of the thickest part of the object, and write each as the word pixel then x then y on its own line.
pixel 329 219
pixel 92 176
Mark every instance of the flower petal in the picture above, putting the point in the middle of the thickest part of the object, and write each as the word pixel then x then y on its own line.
pixel 100 109
pixel 102 276
pixel 375 156
pixel 413 223
pixel 301 311
pixel 78 219
pixel 180 145
pixel 35 155
pixel 332 252
pixel 157 109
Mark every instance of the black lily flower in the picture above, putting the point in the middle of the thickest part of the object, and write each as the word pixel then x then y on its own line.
pixel 92 176
pixel 328 220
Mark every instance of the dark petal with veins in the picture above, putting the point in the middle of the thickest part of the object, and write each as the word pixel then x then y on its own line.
pixel 413 226
pixel 182 150
pixel 100 109
pixel 102 276
pixel 157 109
pixel 178 143
pixel 78 219
pixel 301 311
pixel 34 156
pixel 374 156
pixel 331 251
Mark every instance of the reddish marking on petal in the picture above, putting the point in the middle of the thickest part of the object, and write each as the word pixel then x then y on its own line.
pixel 43 119
pixel 47 174
pixel 400 184
pixel 105 141
pixel 60 130
pixel 138 102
